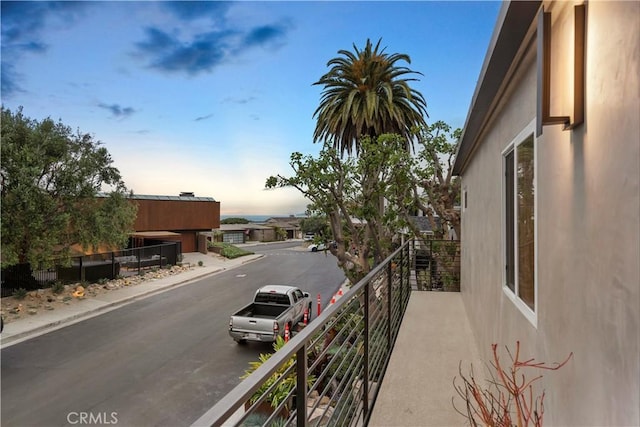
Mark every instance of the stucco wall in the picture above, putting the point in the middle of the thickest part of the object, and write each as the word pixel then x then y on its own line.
pixel 588 225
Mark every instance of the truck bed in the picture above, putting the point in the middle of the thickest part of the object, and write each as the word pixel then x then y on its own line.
pixel 262 310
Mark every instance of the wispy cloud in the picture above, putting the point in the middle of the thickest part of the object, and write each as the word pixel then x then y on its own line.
pixel 10 80
pixel 264 35
pixel 117 111
pixel 217 42
pixel 190 10
pixel 241 101
pixel 168 53
pixel 201 118
pixel 23 23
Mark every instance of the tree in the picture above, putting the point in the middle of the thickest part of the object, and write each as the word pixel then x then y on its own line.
pixel 367 94
pixel 314 224
pixel 52 180
pixel 437 190
pixel 235 221
pixel 347 191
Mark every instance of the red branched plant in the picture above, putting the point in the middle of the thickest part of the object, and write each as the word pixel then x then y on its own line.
pixel 509 399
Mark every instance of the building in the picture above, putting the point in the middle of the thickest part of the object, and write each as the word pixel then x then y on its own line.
pixel 174 218
pixel 289 224
pixel 242 233
pixel 550 168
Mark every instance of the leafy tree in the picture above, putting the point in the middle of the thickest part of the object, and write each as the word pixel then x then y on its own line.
pixel 235 221
pixel 314 224
pixel 437 191
pixel 51 183
pixel 367 94
pixel 348 190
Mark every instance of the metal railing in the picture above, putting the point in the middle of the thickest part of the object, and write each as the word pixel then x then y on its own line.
pixel 329 373
pixel 90 268
pixel 438 265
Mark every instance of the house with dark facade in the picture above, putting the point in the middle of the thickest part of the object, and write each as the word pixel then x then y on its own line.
pixel 174 218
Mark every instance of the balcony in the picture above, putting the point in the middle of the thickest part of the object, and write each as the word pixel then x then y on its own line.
pixel 435 336
pixel 384 354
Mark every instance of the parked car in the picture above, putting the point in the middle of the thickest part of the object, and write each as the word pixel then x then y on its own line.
pixel 315 247
pixel 273 308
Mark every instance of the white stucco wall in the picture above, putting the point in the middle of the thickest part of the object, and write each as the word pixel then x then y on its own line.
pixel 588 225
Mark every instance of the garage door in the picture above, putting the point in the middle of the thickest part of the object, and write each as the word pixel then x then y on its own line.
pixel 233 237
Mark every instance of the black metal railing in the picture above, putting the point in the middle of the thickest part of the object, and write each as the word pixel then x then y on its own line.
pixel 437 265
pixel 90 268
pixel 330 371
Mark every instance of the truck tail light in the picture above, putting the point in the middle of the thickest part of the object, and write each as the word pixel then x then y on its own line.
pixel 231 323
pixel 276 328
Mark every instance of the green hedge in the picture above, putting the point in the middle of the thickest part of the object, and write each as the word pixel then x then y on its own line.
pixel 227 250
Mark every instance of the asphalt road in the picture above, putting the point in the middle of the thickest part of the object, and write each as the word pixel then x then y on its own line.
pixel 161 361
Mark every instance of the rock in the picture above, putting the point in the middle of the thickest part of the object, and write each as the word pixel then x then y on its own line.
pixel 50 298
pixel 48 307
pixel 32 311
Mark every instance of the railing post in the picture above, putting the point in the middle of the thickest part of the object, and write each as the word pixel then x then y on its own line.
pixel 365 380
pixel 389 301
pixel 301 386
pixel 430 266
pixel 113 265
pixel 402 279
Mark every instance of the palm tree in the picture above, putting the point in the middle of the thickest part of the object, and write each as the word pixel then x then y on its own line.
pixel 366 94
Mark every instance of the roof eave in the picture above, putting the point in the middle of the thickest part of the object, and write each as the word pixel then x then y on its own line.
pixel 512 26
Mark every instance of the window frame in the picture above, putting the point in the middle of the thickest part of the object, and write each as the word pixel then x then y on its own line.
pixel 512 148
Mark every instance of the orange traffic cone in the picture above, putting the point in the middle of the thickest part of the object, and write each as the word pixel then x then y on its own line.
pixel 286 333
pixel 333 299
pixel 340 292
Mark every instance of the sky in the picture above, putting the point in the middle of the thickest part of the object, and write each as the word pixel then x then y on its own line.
pixel 213 97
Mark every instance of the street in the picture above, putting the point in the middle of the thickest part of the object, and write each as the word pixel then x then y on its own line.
pixel 163 360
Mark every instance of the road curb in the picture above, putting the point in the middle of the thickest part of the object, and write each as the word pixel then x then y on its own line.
pixel 107 306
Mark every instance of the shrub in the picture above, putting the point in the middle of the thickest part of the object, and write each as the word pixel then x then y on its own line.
pixel 285 384
pixel 228 250
pixel 20 293
pixel 509 399
pixel 57 288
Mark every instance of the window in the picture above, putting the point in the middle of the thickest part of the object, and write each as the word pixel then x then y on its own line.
pixel 519 222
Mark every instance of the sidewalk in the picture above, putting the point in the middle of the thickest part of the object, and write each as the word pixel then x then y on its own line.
pixel 29 327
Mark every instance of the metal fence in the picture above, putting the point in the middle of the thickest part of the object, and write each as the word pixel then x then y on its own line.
pixel 330 371
pixel 437 265
pixel 90 268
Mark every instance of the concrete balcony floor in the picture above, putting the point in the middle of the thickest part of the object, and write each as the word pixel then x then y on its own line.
pixel 417 389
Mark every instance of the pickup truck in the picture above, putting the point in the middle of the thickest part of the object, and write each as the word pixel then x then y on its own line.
pixel 273 308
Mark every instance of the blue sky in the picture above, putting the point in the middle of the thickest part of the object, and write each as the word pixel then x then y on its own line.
pixel 213 97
